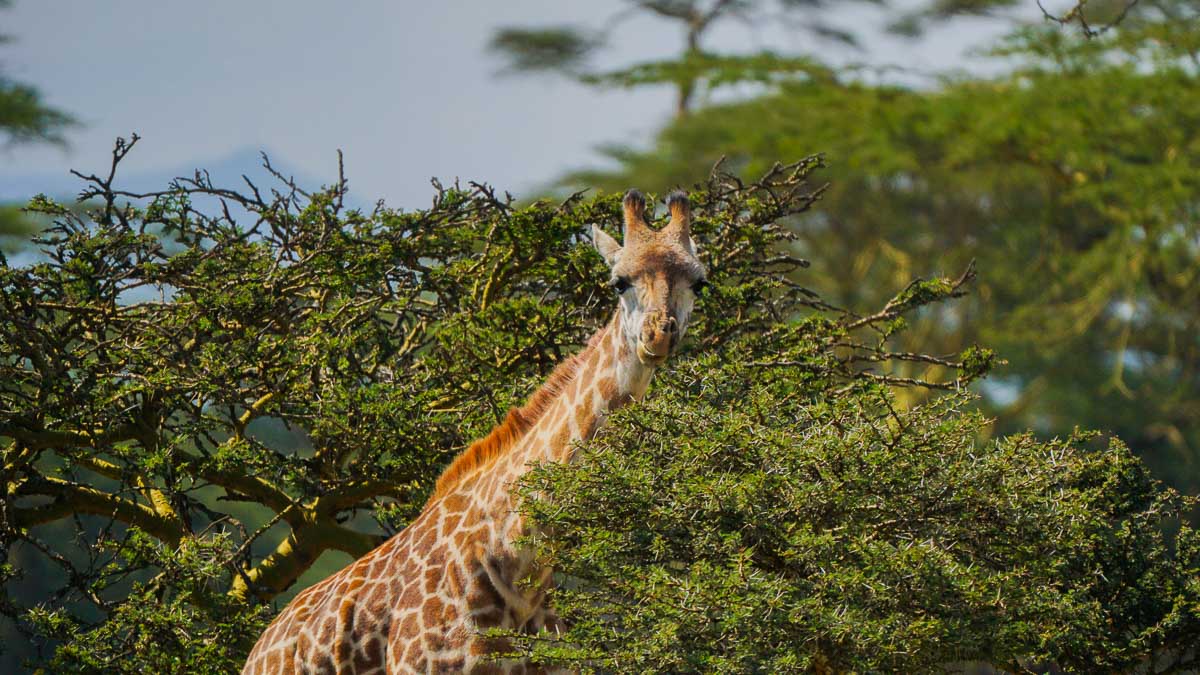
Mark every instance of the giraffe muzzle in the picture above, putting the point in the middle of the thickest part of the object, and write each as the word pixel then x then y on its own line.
pixel 660 332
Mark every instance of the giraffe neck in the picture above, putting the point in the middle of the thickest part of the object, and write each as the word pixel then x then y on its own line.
pixel 609 376
pixel 606 375
pixel 457 569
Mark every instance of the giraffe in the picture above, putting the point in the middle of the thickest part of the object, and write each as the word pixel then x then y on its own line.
pixel 420 601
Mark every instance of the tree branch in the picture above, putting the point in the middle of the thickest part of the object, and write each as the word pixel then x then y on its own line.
pixel 52 438
pixel 294 555
pixel 70 498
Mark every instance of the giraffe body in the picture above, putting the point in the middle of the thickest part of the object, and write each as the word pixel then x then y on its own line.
pixel 419 602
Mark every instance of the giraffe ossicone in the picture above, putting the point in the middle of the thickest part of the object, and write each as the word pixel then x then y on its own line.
pixel 421 601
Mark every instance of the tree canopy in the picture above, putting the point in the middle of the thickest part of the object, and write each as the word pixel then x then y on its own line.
pixel 758 515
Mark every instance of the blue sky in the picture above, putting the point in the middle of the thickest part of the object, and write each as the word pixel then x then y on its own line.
pixel 407 90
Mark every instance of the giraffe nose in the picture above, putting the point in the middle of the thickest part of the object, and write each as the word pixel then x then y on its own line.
pixel 659 333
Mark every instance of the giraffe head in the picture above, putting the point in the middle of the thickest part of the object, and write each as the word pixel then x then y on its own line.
pixel 656 274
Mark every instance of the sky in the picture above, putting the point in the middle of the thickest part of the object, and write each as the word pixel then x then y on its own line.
pixel 407 90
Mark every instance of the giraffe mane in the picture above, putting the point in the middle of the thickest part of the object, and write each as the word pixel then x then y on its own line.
pixel 516 423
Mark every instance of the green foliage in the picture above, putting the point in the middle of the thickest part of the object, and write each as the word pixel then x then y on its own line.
pixel 24 118
pixel 16 228
pixel 711 69
pixel 546 49
pixel 765 517
pixel 179 621
pixel 913 22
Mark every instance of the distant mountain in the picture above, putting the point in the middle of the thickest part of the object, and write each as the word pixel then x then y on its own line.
pixel 226 172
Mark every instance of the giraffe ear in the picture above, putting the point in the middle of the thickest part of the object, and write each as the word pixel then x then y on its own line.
pixel 607 246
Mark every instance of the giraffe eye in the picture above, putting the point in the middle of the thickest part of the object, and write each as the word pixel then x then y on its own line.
pixel 621 284
pixel 699 287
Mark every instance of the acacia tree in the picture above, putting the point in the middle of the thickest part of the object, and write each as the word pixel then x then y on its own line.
pixel 203 390
pixel 568 49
